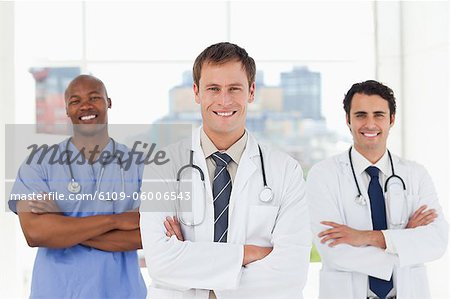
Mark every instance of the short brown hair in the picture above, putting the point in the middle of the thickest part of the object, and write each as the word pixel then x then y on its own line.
pixel 221 53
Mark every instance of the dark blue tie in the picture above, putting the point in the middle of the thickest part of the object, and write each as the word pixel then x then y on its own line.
pixel 221 195
pixel 378 209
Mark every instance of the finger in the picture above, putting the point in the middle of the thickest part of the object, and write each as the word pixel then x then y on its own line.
pixel 177 228
pixel 429 214
pixel 327 232
pixel 419 211
pixel 330 223
pixel 330 237
pixel 44 206
pixel 335 242
pixel 168 234
pixel 38 211
pixel 36 204
pixel 422 216
pixel 169 228
pixel 430 218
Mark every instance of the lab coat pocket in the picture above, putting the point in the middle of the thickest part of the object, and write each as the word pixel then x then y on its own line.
pixel 261 221
pixel 158 293
pixel 335 285
pixel 419 282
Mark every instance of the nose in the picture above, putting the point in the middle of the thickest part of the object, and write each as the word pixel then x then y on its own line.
pixel 85 105
pixel 371 123
pixel 226 98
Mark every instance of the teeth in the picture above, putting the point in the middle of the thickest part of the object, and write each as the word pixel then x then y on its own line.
pixel 88 117
pixel 370 134
pixel 224 113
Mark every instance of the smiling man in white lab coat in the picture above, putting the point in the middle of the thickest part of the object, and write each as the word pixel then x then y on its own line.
pixel 374 237
pixel 242 244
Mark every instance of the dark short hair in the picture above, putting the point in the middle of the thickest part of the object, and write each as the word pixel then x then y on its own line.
pixel 221 53
pixel 370 87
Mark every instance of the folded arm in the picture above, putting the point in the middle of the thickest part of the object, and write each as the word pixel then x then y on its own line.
pixel 423 243
pixel 324 204
pixel 252 253
pixel 116 240
pixel 54 230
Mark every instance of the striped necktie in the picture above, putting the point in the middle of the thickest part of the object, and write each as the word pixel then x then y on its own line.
pixel 378 210
pixel 221 194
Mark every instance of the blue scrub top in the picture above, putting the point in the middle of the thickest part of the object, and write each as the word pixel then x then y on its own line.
pixel 80 271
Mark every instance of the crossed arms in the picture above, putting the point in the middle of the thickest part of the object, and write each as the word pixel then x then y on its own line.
pixel 423 239
pixel 44 226
pixel 184 264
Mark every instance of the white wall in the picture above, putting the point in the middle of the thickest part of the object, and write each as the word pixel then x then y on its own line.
pixel 413 58
pixel 10 279
pixel 426 95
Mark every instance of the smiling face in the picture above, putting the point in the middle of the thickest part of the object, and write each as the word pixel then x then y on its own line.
pixel 87 105
pixel 370 122
pixel 223 94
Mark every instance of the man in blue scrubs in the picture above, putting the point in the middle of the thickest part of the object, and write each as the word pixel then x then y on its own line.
pixel 87 244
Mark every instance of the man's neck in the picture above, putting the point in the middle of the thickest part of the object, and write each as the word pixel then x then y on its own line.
pixel 224 141
pixel 372 155
pixel 91 143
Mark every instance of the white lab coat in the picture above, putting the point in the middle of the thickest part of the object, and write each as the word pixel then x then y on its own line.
pixel 189 269
pixel 331 193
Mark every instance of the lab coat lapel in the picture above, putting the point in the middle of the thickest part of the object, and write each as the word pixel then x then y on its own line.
pixel 245 169
pixel 205 231
pixel 348 174
pixel 242 188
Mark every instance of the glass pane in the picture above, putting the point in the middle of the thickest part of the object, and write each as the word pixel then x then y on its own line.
pixel 153 30
pixel 48 31
pixel 304 30
pixel 140 92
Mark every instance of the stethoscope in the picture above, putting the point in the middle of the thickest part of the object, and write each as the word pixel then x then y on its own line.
pixel 75 187
pixel 266 194
pixel 395 192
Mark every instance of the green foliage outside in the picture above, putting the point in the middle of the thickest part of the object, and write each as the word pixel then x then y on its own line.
pixel 314 256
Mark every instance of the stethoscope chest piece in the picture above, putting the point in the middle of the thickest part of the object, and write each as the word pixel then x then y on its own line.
pixel 74 187
pixel 360 200
pixel 266 194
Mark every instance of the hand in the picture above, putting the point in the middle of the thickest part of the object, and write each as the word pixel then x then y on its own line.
pixel 44 206
pixel 127 220
pixel 254 253
pixel 342 234
pixel 421 217
pixel 173 227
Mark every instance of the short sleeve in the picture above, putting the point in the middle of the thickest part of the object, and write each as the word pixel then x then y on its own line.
pixel 31 179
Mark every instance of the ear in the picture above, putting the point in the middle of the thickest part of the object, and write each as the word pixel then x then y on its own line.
pixel 251 96
pixel 196 93
pixel 347 120
pixel 392 120
pixel 109 103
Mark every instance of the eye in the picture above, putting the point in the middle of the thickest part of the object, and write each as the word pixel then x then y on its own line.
pixel 235 88
pixel 95 98
pixel 213 88
pixel 74 102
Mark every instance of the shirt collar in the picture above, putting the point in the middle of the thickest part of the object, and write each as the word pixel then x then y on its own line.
pixel 360 163
pixel 235 151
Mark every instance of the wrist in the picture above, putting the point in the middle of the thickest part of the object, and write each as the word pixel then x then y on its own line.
pixel 111 221
pixel 376 238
